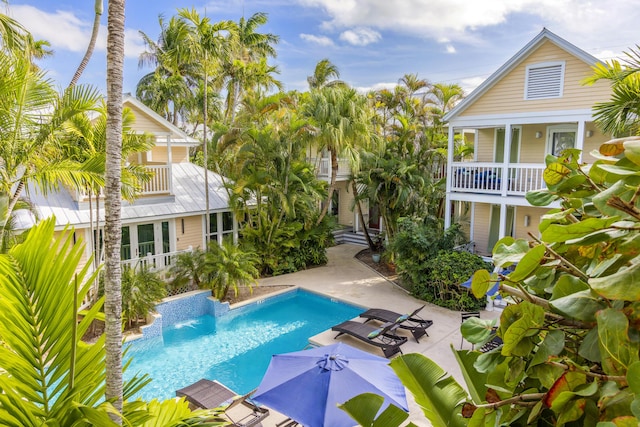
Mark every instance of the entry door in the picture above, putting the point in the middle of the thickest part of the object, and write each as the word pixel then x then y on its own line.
pixel 494 227
pixel 146 240
pixel 374 216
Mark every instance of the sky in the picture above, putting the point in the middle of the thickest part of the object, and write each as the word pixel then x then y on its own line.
pixel 374 43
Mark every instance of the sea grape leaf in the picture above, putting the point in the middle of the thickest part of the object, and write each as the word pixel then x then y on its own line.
pixel 529 263
pixel 540 197
pixel 529 318
pixel 590 347
pixel 567 285
pixel 476 330
pixel 554 173
pixel 571 183
pixel 620 189
pixel 552 345
pixel 632 150
pixel 616 286
pixel 613 147
pixel 509 250
pixel 476 381
pixel 481 283
pixel 618 352
pixel 604 235
pixel 633 378
pixel 562 233
pixel 568 381
pixel 581 305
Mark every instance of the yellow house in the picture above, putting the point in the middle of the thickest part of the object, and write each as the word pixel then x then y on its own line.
pixel 534 105
pixel 168 217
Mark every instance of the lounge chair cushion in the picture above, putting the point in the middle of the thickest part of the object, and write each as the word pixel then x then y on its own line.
pixel 375 333
pixel 402 318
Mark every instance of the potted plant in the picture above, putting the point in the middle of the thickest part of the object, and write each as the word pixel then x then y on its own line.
pixel 378 247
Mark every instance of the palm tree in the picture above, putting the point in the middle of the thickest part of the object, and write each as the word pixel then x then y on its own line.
pixel 229 268
pixel 113 206
pixel 325 74
pixel 92 43
pixel 32 115
pixel 341 121
pixel 619 116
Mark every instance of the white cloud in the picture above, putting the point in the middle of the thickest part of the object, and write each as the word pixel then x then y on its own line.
pixel 65 31
pixel 319 40
pixel 583 22
pixel 451 48
pixel 469 84
pixel 376 86
pixel 360 36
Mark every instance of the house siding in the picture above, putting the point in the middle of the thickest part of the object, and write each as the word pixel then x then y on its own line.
pixel 507 95
pixel 481 225
pixel 193 232
pixel 144 122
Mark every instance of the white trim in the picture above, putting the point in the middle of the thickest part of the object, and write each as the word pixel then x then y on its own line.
pixel 540 65
pixel 537 41
pixel 160 120
pixel 567 127
pixel 536 117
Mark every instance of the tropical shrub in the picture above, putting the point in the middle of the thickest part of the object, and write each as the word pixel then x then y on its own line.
pixel 189 267
pixel 229 267
pixel 142 289
pixel 441 277
pixel 48 376
pixel 571 342
pixel 416 244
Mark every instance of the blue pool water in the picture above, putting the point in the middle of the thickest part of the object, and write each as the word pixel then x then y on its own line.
pixel 235 348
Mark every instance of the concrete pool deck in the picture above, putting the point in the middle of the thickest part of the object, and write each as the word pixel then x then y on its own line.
pixel 347 279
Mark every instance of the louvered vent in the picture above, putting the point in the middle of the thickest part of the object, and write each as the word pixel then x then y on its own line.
pixel 544 82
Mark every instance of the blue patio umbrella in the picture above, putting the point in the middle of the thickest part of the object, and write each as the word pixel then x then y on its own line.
pixel 307 385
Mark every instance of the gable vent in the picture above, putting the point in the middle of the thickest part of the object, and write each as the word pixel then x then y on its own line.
pixel 544 81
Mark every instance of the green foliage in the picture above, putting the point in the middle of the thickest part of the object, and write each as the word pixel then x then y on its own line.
pixel 438 282
pixel 431 268
pixel 229 267
pixel 141 291
pixel 48 376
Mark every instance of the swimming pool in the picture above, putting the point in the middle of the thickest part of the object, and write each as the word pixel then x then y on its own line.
pixel 235 348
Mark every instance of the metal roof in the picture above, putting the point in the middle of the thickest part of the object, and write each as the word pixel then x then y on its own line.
pixel 188 199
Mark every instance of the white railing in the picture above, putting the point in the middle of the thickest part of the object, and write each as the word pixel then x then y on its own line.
pixel 159 182
pixel 323 166
pixel 156 262
pixel 475 177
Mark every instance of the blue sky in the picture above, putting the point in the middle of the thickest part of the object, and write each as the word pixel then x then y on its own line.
pixel 373 42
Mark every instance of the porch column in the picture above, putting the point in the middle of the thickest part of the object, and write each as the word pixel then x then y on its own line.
pixel 504 181
pixel 580 138
pixel 169 162
pixel 447 205
pixel 502 231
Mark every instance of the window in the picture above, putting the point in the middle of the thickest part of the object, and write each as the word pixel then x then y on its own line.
pixel 561 138
pixel 544 80
pixel 221 223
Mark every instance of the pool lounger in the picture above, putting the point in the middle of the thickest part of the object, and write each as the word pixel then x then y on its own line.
pixel 382 337
pixel 207 394
pixel 411 322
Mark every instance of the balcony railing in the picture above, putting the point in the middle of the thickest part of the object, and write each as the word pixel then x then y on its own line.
pixel 323 166
pixel 156 262
pixel 488 178
pixel 160 183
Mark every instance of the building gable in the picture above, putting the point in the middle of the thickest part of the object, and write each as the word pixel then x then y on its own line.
pixel 546 75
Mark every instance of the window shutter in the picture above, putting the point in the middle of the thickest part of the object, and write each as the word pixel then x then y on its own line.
pixel 544 81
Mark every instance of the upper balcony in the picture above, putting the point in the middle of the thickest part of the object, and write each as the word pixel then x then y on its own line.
pixel 323 168
pixel 158 185
pixel 493 178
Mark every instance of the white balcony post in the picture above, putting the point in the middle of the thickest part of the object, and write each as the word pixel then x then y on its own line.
pixel 169 162
pixel 451 147
pixel 504 181
pixel 580 138
pixel 502 231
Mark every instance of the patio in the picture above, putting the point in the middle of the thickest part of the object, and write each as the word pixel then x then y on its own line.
pixel 347 279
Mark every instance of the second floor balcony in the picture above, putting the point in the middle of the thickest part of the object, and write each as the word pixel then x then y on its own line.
pixel 323 168
pixel 158 185
pixel 516 179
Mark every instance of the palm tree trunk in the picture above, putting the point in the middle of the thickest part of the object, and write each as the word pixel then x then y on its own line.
pixel 361 216
pixel 92 43
pixel 332 186
pixel 113 206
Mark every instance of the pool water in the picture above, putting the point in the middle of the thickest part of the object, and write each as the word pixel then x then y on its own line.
pixel 235 348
